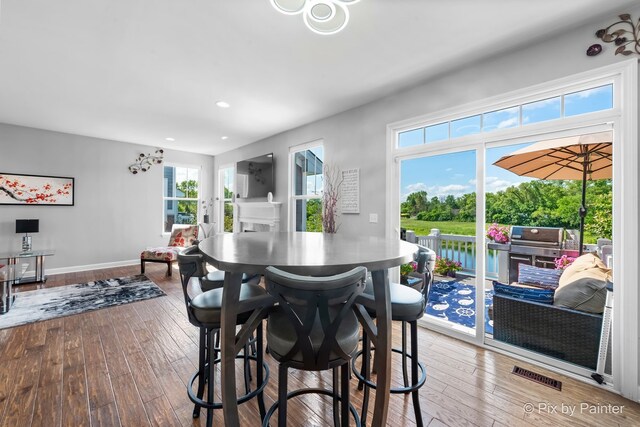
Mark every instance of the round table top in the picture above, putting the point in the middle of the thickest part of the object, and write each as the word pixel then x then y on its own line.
pixel 313 254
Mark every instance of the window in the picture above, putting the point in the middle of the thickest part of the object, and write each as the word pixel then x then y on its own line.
pixel 566 105
pixel 307 183
pixel 180 198
pixel 587 101
pixel 226 198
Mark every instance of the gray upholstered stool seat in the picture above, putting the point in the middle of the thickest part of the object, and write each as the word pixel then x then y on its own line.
pixel 407 306
pixel 207 306
pixel 281 335
pixel 406 303
pixel 215 280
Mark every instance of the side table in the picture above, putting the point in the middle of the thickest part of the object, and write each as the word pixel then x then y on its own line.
pixel 39 272
pixel 9 275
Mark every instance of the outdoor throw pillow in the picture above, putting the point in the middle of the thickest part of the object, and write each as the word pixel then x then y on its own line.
pixel 547 278
pixel 585 294
pixel 543 296
pixel 587 265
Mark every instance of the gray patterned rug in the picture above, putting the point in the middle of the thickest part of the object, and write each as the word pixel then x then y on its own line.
pixel 49 303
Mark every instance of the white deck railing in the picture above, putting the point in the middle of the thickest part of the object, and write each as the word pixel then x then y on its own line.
pixel 461 249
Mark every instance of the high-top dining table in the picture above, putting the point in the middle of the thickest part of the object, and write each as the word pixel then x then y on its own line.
pixel 311 254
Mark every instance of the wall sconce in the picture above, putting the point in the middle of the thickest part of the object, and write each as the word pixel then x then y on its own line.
pixel 143 163
pixel 623 33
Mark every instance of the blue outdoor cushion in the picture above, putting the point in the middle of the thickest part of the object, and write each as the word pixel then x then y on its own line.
pixel 547 278
pixel 543 296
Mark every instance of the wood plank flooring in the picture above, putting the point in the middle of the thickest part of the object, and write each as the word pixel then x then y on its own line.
pixel 128 366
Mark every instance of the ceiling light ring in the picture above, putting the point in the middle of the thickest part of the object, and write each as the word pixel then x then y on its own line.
pixel 313 4
pixel 340 16
pixel 294 9
pixel 323 17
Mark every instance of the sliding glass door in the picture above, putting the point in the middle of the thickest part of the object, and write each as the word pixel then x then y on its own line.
pixel 438 208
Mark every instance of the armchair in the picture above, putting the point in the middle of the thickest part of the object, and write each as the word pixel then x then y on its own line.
pixel 181 237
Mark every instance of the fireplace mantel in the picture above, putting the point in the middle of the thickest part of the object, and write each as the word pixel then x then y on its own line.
pixel 247 214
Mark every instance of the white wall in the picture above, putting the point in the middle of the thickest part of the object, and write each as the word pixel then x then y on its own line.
pixel 357 138
pixel 116 213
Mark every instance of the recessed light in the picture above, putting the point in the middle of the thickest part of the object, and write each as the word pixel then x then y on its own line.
pixel 223 104
pixel 224 137
pixel 170 139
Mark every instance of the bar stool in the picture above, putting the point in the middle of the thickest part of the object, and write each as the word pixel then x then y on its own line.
pixel 407 306
pixel 314 328
pixel 204 311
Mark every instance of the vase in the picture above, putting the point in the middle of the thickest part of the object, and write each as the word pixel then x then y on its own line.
pixel 404 280
pixel 205 219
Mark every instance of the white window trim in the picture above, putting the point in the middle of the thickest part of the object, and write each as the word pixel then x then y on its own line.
pixel 177 199
pixel 623 118
pixel 220 200
pixel 291 217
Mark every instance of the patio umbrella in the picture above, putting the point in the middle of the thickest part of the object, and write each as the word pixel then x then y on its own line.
pixel 584 157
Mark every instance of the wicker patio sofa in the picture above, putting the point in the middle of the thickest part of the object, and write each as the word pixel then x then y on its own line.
pixel 563 333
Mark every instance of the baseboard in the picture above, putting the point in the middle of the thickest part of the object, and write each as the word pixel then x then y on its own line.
pixel 76 268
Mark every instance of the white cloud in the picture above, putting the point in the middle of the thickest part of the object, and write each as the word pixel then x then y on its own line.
pixel 448 169
pixel 418 186
pixel 508 123
pixel 494 184
pixel 445 190
pixel 436 190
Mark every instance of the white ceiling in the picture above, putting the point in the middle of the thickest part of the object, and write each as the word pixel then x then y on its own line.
pixel 143 70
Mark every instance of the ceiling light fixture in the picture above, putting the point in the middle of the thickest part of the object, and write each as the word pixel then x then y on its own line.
pixel 170 139
pixel 223 104
pixel 224 137
pixel 320 16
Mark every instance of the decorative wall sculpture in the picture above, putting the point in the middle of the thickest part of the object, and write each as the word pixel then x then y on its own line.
pixel 623 33
pixel 143 163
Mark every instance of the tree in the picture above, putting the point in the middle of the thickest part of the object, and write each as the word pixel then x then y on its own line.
pixel 416 202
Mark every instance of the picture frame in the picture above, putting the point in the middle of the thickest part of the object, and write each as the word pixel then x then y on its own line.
pixel 36 190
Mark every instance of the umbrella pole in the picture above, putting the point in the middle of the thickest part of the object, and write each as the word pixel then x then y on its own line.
pixel 583 207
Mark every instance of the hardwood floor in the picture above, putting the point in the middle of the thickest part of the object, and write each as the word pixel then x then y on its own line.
pixel 128 366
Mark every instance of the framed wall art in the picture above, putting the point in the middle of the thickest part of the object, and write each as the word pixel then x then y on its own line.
pixel 36 190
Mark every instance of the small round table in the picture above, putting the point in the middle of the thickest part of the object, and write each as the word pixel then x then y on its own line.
pixel 312 254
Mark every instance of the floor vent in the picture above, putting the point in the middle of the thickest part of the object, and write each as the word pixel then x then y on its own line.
pixel 540 379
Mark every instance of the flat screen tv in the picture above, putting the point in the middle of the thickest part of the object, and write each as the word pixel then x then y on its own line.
pixel 255 177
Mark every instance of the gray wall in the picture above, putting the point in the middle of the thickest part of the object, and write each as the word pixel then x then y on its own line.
pixel 116 213
pixel 357 138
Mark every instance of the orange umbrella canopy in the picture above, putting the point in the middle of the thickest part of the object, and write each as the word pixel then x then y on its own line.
pixel 582 157
pixel 564 158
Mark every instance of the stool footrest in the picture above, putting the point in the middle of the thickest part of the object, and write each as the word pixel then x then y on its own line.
pixel 299 392
pixel 242 399
pixel 397 390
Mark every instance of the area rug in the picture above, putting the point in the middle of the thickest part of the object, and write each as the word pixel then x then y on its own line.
pixel 49 303
pixel 456 302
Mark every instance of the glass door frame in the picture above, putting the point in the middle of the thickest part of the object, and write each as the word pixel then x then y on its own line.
pixel 622 118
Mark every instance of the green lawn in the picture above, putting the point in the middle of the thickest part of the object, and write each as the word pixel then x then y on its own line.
pixel 423 228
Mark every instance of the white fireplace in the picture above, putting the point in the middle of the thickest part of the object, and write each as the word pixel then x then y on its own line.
pixel 256 216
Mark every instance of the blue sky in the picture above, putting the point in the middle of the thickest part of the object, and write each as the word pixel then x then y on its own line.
pixel 455 173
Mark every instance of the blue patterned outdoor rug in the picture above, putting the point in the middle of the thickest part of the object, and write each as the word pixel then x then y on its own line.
pixel 456 302
pixel 49 303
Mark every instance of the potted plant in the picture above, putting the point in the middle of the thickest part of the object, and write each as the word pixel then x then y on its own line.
pixel 563 262
pixel 447 267
pixel 405 270
pixel 497 233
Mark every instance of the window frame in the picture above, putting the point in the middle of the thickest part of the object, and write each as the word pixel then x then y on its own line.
pixel 178 199
pixel 293 198
pixel 231 167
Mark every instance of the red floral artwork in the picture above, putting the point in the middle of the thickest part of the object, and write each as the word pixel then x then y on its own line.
pixel 36 190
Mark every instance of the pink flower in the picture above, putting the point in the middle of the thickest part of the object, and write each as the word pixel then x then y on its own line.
pixel 497 233
pixel 563 262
